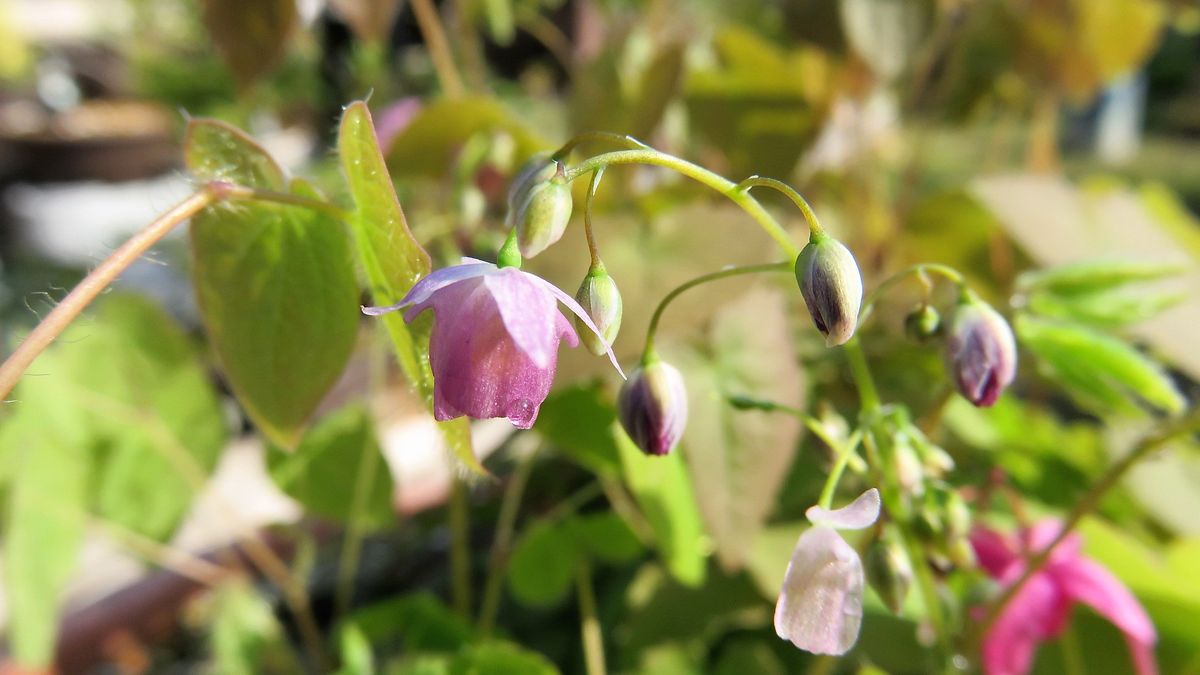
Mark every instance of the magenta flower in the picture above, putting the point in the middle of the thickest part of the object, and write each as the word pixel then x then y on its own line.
pixel 1041 608
pixel 495 339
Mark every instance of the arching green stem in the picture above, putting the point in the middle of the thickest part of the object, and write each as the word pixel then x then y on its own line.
pixel 922 271
pixel 814 225
pixel 825 501
pixel 648 353
pixel 593 251
pixel 598 136
pixel 700 175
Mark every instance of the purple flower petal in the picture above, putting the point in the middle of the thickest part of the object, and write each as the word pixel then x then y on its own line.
pixel 994 551
pixel 434 282
pixel 820 606
pixel 856 515
pixel 528 312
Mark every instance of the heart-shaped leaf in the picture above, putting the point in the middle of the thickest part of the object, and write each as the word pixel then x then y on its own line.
pixel 275 284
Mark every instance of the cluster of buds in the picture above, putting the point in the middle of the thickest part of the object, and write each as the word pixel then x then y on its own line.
pixel 942 522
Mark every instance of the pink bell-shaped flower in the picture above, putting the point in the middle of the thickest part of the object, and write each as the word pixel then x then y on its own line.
pixel 820 606
pixel 494 347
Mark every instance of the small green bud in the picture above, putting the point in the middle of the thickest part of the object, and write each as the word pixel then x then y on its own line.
pixel 832 287
pixel 923 323
pixel 540 204
pixel 889 571
pixel 960 552
pixel 599 297
pixel 927 524
pixel 909 472
pixel 936 460
pixel 956 515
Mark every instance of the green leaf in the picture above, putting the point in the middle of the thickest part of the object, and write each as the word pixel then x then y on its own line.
pixel 275 285
pixel 393 261
pixel 421 664
pixel 543 563
pixel 151 402
pixel 246 637
pixel 1111 309
pixel 355 651
pixel 418 622
pixel 663 490
pixel 251 36
pixel 427 147
pixel 500 658
pixel 577 420
pixel 46 508
pixel 738 460
pixel 605 536
pixel 337 471
pixel 1092 276
pixel 1099 370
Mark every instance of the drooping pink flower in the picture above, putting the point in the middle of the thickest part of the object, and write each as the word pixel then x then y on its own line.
pixel 494 347
pixel 820 606
pixel 1040 610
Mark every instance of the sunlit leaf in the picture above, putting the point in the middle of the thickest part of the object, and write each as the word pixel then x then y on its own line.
pixel 427 147
pixel 154 411
pixel 738 459
pixel 45 514
pixel 246 637
pixel 338 471
pixel 355 651
pixel 1098 369
pixel 1093 276
pixel 252 37
pixel 392 259
pixel 664 491
pixel 275 285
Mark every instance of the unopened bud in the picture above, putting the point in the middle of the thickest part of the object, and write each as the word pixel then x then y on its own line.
pixel 889 571
pixel 910 474
pixel 540 209
pixel 960 553
pixel 936 460
pixel 599 297
pixel 923 323
pixel 537 169
pixel 927 524
pixel 652 407
pixel 981 354
pixel 831 285
pixel 956 514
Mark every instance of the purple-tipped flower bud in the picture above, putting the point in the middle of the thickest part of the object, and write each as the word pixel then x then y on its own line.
pixel 537 169
pixel 540 207
pixel 832 287
pixel 889 571
pixel 599 297
pixel 923 323
pixel 653 407
pixel 981 353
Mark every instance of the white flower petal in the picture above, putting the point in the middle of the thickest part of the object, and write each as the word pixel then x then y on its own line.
pixel 860 513
pixel 820 605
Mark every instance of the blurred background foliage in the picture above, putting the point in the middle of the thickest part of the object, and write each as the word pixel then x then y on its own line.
pixel 1045 148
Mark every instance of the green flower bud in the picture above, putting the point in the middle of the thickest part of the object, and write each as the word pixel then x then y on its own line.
pixel 540 204
pixel 831 285
pixel 889 571
pixel 537 169
pixel 956 515
pixel 923 323
pixel 927 524
pixel 599 297
pixel 909 472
